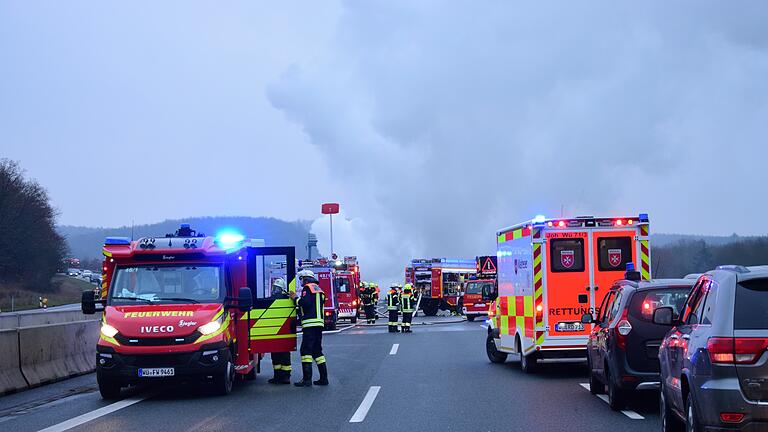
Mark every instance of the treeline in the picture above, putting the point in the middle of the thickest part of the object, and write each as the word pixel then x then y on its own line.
pixel 697 256
pixel 31 250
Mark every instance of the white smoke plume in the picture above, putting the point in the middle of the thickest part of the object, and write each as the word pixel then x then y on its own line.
pixel 443 122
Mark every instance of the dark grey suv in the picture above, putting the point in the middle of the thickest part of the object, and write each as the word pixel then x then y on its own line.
pixel 714 363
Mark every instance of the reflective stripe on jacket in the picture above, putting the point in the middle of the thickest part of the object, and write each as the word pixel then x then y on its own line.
pixel 311 306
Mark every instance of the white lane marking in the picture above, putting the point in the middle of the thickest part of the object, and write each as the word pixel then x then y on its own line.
pixel 365 405
pixel 101 412
pixel 393 351
pixel 629 413
pixel 633 415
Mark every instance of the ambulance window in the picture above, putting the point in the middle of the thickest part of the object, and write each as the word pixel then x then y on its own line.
pixel 567 255
pixel 614 253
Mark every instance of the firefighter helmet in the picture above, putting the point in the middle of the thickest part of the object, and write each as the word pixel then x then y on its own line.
pixel 279 283
pixel 306 274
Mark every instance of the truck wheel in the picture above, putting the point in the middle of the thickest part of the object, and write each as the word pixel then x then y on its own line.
pixel 222 384
pixel 430 309
pixel 353 320
pixel 470 317
pixel 109 389
pixel 493 354
pixel 528 362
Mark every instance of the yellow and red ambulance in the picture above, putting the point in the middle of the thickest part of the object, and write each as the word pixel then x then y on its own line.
pixel 553 271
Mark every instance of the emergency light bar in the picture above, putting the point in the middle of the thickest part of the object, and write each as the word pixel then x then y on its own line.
pixel 117 241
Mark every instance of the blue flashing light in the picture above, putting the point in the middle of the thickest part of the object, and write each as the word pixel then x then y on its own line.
pixel 229 240
pixel 630 266
pixel 643 217
pixel 117 241
pixel 539 219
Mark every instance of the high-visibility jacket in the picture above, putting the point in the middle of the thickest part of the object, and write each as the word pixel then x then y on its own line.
pixel 310 306
pixel 392 300
pixel 406 302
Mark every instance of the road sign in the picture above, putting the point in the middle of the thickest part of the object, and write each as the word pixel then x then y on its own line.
pixel 330 208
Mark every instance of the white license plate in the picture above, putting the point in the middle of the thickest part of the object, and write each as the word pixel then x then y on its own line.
pixel 156 372
pixel 569 327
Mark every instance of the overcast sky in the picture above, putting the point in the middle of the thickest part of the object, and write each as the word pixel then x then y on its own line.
pixel 432 122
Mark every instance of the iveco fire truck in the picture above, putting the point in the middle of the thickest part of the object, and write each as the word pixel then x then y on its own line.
pixel 189 307
pixel 480 290
pixel 438 281
pixel 553 271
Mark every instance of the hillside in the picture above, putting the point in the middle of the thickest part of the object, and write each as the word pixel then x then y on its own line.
pixel 85 243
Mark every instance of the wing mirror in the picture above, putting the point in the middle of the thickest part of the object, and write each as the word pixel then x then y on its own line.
pixel 664 316
pixel 587 319
pixel 88 303
pixel 244 299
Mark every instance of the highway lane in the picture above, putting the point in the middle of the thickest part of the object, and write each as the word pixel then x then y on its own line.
pixel 436 379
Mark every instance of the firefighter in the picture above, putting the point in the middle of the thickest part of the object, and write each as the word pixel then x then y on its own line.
pixel 281 361
pixel 310 308
pixel 393 301
pixel 368 305
pixel 374 287
pixel 406 306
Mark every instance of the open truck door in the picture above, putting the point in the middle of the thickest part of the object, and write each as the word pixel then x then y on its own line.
pixel 272 322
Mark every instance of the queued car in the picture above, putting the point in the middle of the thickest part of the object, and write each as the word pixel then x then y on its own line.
pixel 73 272
pixel 714 363
pixel 623 347
pixel 86 274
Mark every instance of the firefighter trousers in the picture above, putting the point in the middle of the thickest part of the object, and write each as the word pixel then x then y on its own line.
pixel 393 320
pixel 281 361
pixel 312 345
pixel 370 313
pixel 407 318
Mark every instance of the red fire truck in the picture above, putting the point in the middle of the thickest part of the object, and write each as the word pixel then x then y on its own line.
pixel 438 281
pixel 340 280
pixel 480 290
pixel 189 307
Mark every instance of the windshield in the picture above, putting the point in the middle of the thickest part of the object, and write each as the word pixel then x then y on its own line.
pixel 478 287
pixel 167 284
pixel 341 284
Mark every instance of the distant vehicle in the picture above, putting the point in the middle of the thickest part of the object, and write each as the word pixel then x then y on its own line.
pixel 438 281
pixel 73 272
pixel 480 290
pixel 714 363
pixel 623 348
pixel 86 274
pixel 95 278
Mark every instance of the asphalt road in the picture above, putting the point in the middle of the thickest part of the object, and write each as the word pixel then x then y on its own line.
pixel 436 379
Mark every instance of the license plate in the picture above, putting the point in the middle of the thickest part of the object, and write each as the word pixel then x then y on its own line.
pixel 569 327
pixel 156 372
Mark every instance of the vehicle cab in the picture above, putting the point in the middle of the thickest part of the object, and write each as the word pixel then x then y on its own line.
pixel 480 290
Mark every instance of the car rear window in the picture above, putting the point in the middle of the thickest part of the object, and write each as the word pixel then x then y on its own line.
pixel 645 302
pixel 567 255
pixel 751 305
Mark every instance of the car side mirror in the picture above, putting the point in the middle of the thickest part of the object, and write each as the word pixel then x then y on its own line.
pixel 664 316
pixel 587 319
pixel 88 303
pixel 244 299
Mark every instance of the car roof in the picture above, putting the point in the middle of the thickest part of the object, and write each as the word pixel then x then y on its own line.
pixel 742 273
pixel 655 283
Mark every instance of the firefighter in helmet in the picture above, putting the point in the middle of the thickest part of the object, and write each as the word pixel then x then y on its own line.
pixel 368 305
pixel 407 304
pixel 281 361
pixel 393 301
pixel 310 308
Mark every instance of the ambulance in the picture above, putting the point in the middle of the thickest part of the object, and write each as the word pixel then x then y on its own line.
pixel 480 290
pixel 553 271
pixel 438 281
pixel 189 307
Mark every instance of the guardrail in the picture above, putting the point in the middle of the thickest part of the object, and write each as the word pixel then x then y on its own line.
pixel 40 348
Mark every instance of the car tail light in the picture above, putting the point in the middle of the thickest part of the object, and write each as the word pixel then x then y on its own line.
pixel 736 350
pixel 731 417
pixel 622 330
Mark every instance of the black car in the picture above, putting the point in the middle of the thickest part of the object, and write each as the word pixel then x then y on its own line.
pixel 623 347
pixel 714 361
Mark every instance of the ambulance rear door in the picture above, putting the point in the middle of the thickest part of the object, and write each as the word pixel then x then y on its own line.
pixel 612 249
pixel 568 285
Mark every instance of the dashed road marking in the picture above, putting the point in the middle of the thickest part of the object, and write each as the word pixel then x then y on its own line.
pixel 101 412
pixel 629 413
pixel 393 351
pixel 365 405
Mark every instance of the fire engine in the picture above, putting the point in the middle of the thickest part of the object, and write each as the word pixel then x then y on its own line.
pixel 189 307
pixel 438 281
pixel 553 271
pixel 480 290
pixel 340 281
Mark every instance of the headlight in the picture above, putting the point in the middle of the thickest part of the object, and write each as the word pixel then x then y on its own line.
pixel 108 331
pixel 209 328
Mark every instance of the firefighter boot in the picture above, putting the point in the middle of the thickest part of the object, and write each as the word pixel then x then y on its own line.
pixel 306 370
pixel 323 368
pixel 281 377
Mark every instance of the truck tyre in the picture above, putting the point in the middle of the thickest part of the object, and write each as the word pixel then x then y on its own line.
pixel 617 397
pixel 528 362
pixel 669 421
pixel 430 309
pixel 470 317
pixel 110 390
pixel 493 354
pixel 223 382
pixel 353 320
